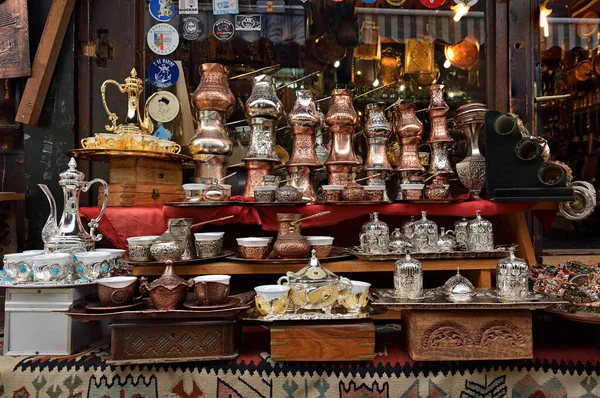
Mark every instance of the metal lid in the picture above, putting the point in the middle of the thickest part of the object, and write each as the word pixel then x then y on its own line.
pixel 458 285
pixel 72 175
pixel 314 272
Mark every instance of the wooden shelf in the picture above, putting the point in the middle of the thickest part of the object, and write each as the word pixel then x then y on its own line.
pixel 11 196
pixel 484 266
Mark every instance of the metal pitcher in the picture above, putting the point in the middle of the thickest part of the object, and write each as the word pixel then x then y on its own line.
pixel 69 235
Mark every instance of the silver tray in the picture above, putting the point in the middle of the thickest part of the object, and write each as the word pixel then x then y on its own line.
pixel 483 299
pixel 45 285
pixel 498 253
pixel 337 314
pixel 193 261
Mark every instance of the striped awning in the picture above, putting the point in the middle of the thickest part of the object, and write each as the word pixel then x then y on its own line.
pixel 401 25
pixel 563 34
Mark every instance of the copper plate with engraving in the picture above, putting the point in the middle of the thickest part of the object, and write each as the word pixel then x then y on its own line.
pixel 104 155
pixel 419 57
pixel 464 54
pixel 587 29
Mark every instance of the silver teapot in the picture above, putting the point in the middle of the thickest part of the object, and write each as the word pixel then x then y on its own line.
pixel 69 235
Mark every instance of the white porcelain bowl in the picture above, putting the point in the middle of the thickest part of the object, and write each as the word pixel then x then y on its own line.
pixel 265 188
pixel 114 253
pixel 333 187
pixel 412 186
pixel 224 279
pixel 117 282
pixel 141 240
pixel 359 287
pixel 270 292
pixel 203 236
pixel 374 188
pixel 253 242
pixel 319 240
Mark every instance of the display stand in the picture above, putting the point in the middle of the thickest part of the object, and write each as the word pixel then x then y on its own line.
pixel 319 341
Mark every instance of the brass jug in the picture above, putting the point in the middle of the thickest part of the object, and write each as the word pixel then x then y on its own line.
pixel 134 123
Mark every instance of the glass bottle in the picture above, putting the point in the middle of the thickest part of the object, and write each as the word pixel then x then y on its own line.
pixel 408 278
pixel 480 234
pixel 425 236
pixel 512 277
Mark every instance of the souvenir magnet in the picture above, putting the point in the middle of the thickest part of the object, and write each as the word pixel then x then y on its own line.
pixel 162 10
pixel 162 39
pixel 269 6
pixel 248 22
pixel 163 73
pixel 188 6
pixel 221 7
pixel 191 28
pixel 223 29
pixel 433 3
pixel 163 106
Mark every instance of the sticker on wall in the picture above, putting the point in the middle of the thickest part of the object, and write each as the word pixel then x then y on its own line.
pixel 163 73
pixel 162 132
pixel 269 6
pixel 248 22
pixel 191 28
pixel 188 6
pixel 162 39
pixel 163 106
pixel 162 10
pixel 432 3
pixel 221 7
pixel 223 29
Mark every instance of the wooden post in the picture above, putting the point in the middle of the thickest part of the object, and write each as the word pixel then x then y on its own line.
pixel 45 61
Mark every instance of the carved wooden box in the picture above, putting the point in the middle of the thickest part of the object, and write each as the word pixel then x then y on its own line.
pixel 468 334
pixel 141 194
pixel 158 341
pixel 323 342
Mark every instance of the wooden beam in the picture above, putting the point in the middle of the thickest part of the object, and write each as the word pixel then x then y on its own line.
pixel 45 60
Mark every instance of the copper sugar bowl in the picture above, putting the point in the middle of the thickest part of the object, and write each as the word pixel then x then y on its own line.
pixel 213 92
pixel 304 119
pixel 290 243
pixel 377 130
pixel 354 192
pixel 167 292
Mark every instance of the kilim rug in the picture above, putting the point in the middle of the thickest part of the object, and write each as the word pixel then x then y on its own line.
pixel 566 364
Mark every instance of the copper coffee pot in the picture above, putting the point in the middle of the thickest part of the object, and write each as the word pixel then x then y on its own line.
pixel 438 113
pixel 377 130
pixel 409 130
pixel 304 119
pixel 341 120
pixel 213 92
pixel 290 243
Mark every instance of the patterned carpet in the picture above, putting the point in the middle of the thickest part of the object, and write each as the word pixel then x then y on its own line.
pixel 566 364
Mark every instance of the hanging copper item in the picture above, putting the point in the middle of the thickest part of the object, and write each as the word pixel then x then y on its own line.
pixel 587 29
pixel 134 123
pixel 256 172
pixel 377 130
pixel 438 114
pixel 304 119
pixel 213 92
pixel 419 57
pixel 584 70
pixel 390 66
pixel 300 179
pixel 464 54
pixel 409 130
pixel 341 120
pixel 369 47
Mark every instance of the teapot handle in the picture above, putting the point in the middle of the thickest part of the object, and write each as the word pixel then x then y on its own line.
pixel 346 284
pixel 94 223
pixel 284 280
pixel 111 115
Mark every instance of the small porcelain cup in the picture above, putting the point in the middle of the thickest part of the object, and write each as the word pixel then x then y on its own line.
pixel 17 267
pixel 322 245
pixel 356 299
pixel 53 267
pixel 272 299
pixel 117 290
pixel 209 244
pixel 194 192
pixel 92 265
pixel 139 247
pixel 116 261
pixel 211 289
pixel 253 248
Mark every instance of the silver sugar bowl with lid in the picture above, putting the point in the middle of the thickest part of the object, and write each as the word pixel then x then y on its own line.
pixel 480 234
pixel 375 237
pixel 425 235
pixel 408 278
pixel 512 277
pixel 459 289
pixel 446 242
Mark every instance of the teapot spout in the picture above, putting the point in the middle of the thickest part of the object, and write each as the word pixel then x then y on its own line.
pixel 51 227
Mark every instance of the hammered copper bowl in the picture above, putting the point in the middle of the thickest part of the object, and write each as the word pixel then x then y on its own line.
pixel 412 191
pixel 253 248
pixel 375 193
pixel 354 193
pixel 117 290
pixel 437 192
pixel 332 193
pixel 323 245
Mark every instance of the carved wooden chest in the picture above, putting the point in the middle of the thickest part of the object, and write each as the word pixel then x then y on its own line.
pixel 468 334
pixel 323 341
pixel 141 194
pixel 175 340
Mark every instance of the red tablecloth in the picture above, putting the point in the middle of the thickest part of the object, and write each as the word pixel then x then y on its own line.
pixel 119 223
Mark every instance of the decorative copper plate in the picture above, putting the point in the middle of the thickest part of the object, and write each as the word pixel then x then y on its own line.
pixel 97 306
pixel 583 70
pixel 197 305
pixel 587 29
pixel 104 155
pixel 464 54
pixel 193 261
pixel 327 51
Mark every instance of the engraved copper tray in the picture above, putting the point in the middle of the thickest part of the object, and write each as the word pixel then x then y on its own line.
pixel 226 253
pixel 104 155
pixel 483 299
pixel 78 312
pixel 498 253
pixel 583 317
pixel 204 204
pixel 337 254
